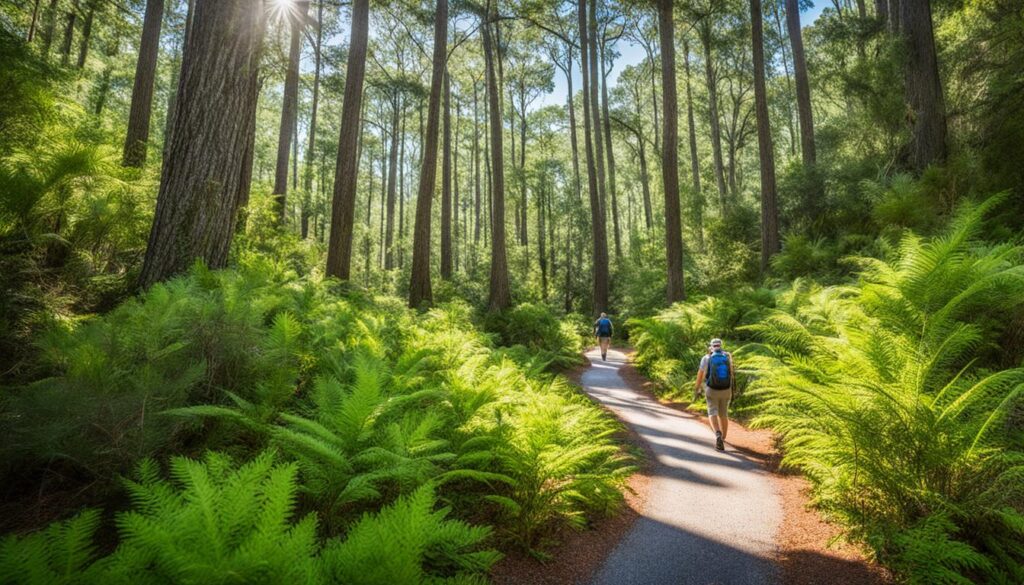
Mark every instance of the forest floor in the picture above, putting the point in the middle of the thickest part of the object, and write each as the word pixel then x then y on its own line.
pixel 695 515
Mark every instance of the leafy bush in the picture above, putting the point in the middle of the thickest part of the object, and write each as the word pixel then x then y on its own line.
pixel 801 256
pixel 884 396
pixel 537 328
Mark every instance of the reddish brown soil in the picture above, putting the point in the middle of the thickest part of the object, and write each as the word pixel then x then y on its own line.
pixel 810 550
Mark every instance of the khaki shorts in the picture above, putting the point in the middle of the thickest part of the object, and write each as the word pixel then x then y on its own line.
pixel 718 401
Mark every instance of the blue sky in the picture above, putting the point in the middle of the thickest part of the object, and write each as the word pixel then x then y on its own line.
pixel 631 54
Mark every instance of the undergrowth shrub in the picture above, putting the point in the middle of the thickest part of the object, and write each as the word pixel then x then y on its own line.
pixel 539 330
pixel 364 401
pixel 888 395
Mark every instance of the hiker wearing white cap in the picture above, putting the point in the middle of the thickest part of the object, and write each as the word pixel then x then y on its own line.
pixel 716 378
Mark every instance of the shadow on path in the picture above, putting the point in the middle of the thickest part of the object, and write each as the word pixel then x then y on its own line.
pixel 710 517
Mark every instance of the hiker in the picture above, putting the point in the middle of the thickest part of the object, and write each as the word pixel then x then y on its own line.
pixel 716 378
pixel 603 332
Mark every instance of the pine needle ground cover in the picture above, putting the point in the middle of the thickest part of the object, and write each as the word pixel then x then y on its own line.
pixel 261 423
pixel 893 394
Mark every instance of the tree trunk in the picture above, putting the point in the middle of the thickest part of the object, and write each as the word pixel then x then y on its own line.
pixel 698 193
pixel 476 165
pixel 882 11
pixel 922 86
pixel 32 24
pixel 311 148
pixel 69 36
pixel 289 110
pixel 769 209
pixel 541 257
pixel 343 206
pixel 803 86
pixel 419 287
pixel 789 81
pixel 670 154
pixel 446 182
pixel 500 296
pixel 172 101
pixel 600 243
pixel 137 137
pixel 716 130
pixel 456 203
pixel 50 27
pixel 83 46
pixel 574 142
pixel 524 239
pixel 389 232
pixel 203 182
pixel 595 112
pixel 611 159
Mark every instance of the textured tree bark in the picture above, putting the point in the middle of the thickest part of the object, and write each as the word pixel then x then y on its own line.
pixel 769 209
pixel 716 129
pixel 803 86
pixel 446 183
pixel 611 159
pixel 205 176
pixel 600 238
pixel 499 296
pixel 172 101
pixel 419 288
pixel 698 193
pixel 343 206
pixel 670 154
pixel 289 109
pixel 922 86
pixel 137 137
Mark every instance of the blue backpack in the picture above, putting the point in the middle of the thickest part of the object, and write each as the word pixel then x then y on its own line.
pixel 718 375
pixel 604 327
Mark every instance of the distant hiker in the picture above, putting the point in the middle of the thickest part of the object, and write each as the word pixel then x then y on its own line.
pixel 603 332
pixel 716 378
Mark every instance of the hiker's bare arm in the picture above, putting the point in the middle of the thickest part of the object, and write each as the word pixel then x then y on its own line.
pixel 700 379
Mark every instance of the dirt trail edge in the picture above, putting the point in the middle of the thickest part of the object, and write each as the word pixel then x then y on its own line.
pixel 711 517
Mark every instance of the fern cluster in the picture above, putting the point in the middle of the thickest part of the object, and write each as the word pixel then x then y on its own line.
pixel 889 394
pixel 217 522
pixel 365 405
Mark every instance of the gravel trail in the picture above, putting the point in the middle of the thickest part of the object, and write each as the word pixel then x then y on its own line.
pixel 711 517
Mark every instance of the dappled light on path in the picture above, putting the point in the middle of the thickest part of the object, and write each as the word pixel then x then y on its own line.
pixel 710 517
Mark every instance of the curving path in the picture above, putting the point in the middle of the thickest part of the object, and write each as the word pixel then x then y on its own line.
pixel 710 516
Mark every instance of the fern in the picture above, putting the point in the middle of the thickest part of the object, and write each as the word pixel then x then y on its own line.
pixel 63 553
pixel 409 542
pixel 215 523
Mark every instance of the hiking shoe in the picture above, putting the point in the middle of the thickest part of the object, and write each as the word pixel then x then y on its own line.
pixel 719 443
pixel 604 357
